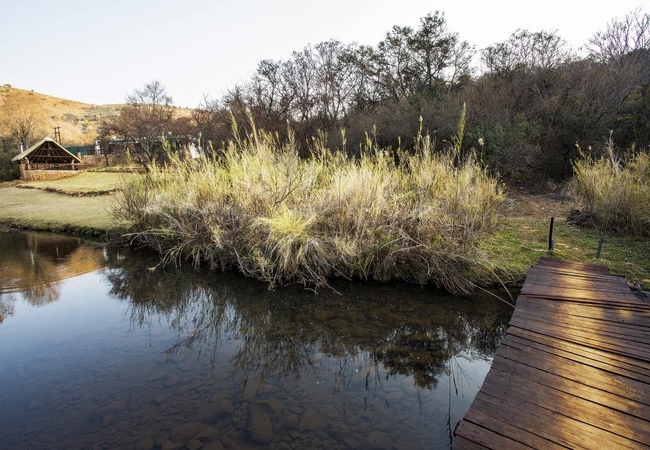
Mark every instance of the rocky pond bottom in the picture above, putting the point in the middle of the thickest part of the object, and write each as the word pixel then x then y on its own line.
pixel 101 350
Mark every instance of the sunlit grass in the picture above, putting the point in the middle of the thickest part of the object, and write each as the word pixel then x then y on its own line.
pixel 269 213
pixel 614 194
pixel 84 183
pixel 519 242
pixel 41 210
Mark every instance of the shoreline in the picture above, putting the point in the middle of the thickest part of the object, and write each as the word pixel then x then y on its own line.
pixel 518 243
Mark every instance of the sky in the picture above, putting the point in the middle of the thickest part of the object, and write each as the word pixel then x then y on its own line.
pixel 99 51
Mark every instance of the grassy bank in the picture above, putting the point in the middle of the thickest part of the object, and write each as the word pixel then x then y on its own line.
pixel 522 238
pixel 71 205
pixel 517 242
pixel 614 193
pixel 83 184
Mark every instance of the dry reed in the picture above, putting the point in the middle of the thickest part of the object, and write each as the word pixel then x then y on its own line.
pixel 265 211
pixel 614 193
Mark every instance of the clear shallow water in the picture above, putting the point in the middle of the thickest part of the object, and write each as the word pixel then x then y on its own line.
pixel 98 351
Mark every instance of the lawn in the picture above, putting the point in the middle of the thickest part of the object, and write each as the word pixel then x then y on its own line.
pixel 85 183
pixel 80 204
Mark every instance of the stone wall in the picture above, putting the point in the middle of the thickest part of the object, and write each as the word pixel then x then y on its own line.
pixel 43 175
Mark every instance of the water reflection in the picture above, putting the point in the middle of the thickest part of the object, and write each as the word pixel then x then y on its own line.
pixel 410 331
pixel 34 264
pixel 171 358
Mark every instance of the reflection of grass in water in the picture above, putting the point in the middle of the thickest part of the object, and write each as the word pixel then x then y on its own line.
pixel 290 334
pixel 6 306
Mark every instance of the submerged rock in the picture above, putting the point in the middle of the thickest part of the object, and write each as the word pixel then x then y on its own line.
pixel 161 399
pixel 169 445
pixel 213 412
pixel 216 445
pixel 311 421
pixel 113 408
pixel 291 422
pixel 186 431
pixel 324 315
pixel 208 434
pixel 145 444
pixel 378 440
pixel 260 428
pixel 194 445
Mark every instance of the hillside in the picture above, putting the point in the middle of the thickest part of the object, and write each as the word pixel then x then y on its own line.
pixel 77 121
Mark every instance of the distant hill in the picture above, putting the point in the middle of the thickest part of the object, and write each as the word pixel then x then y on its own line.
pixel 77 121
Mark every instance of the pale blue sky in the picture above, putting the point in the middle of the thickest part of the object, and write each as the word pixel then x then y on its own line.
pixel 99 51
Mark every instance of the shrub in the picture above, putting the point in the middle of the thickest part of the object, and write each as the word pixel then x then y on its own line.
pixel 269 213
pixel 8 169
pixel 614 193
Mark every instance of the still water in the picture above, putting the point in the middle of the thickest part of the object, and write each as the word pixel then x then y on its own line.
pixel 100 350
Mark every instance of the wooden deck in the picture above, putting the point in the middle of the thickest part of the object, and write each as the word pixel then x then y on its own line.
pixel 573 370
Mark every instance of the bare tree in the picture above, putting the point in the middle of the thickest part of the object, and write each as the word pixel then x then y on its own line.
pixel 143 123
pixel 526 51
pixel 622 37
pixel 23 127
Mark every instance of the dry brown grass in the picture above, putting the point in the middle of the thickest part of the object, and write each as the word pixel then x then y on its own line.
pixel 280 218
pixel 78 121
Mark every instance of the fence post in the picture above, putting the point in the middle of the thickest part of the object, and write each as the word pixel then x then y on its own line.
pixel 551 244
pixel 600 247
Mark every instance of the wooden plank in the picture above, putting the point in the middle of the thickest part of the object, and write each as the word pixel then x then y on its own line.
pixel 580 276
pixel 493 418
pixel 599 327
pixel 541 280
pixel 502 384
pixel 574 368
pixel 592 377
pixel 585 313
pixel 582 295
pixel 621 346
pixel 487 438
pixel 460 443
pixel 627 367
pixel 578 271
pixel 556 428
pixel 576 384
pixel 573 265
pixel 603 329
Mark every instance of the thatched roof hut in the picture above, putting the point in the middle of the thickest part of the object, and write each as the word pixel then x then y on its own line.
pixel 47 160
pixel 47 151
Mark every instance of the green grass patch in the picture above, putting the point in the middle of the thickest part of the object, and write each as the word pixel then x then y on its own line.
pixel 84 183
pixel 519 242
pixel 48 211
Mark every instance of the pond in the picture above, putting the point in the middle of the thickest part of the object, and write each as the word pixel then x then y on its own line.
pixel 100 348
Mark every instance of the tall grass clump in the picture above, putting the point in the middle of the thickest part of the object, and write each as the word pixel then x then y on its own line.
pixel 613 192
pixel 264 210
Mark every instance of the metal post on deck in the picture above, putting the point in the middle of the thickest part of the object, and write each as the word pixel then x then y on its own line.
pixel 551 244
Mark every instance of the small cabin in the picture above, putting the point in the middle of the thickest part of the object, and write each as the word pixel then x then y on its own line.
pixel 47 160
